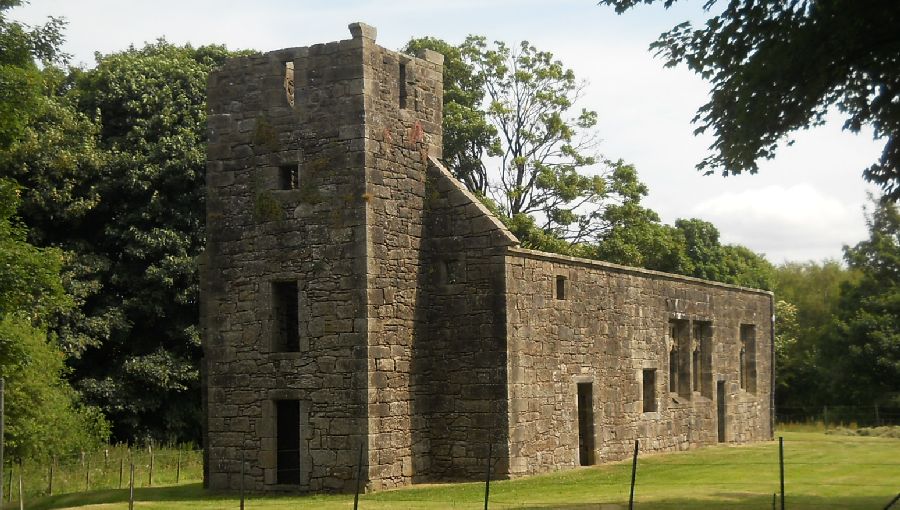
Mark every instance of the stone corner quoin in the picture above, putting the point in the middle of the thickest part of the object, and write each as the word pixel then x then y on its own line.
pixel 358 304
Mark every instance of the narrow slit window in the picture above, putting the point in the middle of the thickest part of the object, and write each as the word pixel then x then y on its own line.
pixel 289 176
pixel 285 313
pixel 560 287
pixel 673 360
pixel 289 82
pixel 403 89
pixel 649 390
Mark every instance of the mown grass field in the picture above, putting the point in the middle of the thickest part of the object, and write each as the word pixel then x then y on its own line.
pixel 821 471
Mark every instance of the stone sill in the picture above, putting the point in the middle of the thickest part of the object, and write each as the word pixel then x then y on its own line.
pixel 287 355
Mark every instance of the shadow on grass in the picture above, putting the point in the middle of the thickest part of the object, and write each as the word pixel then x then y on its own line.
pixel 185 493
pixel 727 501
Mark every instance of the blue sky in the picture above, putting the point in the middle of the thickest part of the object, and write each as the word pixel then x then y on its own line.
pixel 803 205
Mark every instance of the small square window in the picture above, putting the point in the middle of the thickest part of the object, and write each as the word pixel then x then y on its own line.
pixel 453 270
pixel 289 177
pixel 560 287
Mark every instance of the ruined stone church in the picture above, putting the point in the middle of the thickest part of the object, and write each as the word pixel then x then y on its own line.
pixel 361 308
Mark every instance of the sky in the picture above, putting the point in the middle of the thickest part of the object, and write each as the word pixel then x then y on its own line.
pixel 803 205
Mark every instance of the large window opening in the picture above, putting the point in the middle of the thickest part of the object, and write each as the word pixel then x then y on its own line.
pixel 649 390
pixel 285 311
pixel 680 357
pixel 287 439
pixel 673 360
pixel 702 358
pixel 748 357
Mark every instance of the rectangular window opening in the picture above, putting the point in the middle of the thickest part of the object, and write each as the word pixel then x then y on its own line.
pixel 649 390
pixel 680 357
pixel 748 357
pixel 289 177
pixel 702 358
pixel 560 287
pixel 585 424
pixel 285 312
pixel 453 271
pixel 287 439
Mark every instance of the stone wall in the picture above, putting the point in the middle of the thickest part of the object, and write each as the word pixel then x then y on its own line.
pixel 460 359
pixel 611 325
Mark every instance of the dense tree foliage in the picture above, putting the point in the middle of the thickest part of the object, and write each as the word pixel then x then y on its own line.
pixel 43 413
pixel 777 67
pixel 861 353
pixel 112 166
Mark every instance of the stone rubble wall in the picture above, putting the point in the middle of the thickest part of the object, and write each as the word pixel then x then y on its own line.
pixel 612 325
pixel 460 359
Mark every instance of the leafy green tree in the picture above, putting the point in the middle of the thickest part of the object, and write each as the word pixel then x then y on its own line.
pixel 861 355
pixel 43 413
pixel 112 167
pixel 776 67
pixel 150 105
pixel 20 80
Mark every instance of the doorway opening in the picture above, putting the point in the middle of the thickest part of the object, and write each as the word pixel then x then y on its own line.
pixel 287 439
pixel 585 424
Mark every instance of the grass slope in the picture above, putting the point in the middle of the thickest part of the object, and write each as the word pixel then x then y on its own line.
pixel 821 471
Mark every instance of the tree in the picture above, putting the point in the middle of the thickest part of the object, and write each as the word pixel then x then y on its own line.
pixel 112 167
pixel 517 104
pixel 811 297
pixel 43 414
pixel 861 355
pixel 20 81
pixel 151 110
pixel 777 67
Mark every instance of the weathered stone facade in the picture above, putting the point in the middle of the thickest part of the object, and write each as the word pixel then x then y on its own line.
pixel 359 303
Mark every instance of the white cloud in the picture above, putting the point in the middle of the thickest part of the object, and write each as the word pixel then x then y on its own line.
pixel 794 223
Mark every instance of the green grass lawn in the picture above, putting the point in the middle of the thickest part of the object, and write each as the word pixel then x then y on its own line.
pixel 821 471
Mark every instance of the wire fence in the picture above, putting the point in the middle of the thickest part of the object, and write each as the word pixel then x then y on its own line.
pixel 840 415
pixel 811 470
pixel 109 468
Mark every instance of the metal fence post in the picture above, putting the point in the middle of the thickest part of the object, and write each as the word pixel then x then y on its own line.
pixel 2 426
pixel 487 481
pixel 781 466
pixel 131 488
pixel 633 475
pixel 242 479
pixel 358 478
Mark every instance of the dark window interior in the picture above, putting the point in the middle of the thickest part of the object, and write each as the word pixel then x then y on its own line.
pixel 285 311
